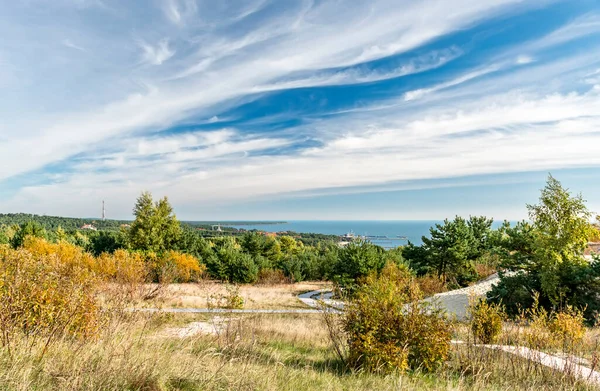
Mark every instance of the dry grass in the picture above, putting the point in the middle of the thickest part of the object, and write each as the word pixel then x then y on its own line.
pixel 586 353
pixel 280 296
pixel 254 352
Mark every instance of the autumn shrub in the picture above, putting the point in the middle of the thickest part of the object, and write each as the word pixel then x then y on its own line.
pixel 122 267
pixel 536 321
pixel 66 253
pixel 485 321
pixel 562 329
pixel 484 270
pixel 173 266
pixel 567 327
pixel 389 328
pixel 126 274
pixel 46 296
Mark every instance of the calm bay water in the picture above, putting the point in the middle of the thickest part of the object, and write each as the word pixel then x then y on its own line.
pixel 412 230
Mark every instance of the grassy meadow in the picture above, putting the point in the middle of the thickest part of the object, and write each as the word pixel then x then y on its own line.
pixel 250 352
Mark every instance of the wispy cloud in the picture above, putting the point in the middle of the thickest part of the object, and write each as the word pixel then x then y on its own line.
pixel 585 25
pixel 68 43
pixel 177 11
pixel 524 59
pixel 415 94
pixel 158 53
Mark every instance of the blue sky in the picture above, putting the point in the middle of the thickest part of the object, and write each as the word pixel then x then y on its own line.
pixel 300 109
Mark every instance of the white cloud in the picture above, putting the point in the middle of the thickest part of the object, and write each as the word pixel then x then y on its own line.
pixel 283 48
pixel 69 44
pixel 583 26
pixel 157 54
pixel 524 59
pixel 504 133
pixel 415 65
pixel 177 11
pixel 416 94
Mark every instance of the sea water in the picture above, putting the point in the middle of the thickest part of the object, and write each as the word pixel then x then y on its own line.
pixel 399 231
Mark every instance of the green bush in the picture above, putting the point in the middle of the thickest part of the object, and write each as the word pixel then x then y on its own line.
pixel 486 321
pixel 231 265
pixel 389 328
pixel 355 262
pixel 242 269
pixel 293 268
pixel 30 228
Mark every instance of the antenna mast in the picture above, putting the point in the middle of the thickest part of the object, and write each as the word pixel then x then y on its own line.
pixel 103 212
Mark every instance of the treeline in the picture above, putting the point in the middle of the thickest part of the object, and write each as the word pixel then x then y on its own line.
pixel 10 223
pixel 246 258
pixel 538 261
pixel 54 222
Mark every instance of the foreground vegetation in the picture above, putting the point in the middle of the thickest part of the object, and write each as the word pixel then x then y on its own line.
pixel 266 352
pixel 71 319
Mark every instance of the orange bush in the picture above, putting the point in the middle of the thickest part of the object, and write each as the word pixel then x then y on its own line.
pixel 41 295
pixel 65 252
pixel 50 290
pixel 174 266
pixel 122 267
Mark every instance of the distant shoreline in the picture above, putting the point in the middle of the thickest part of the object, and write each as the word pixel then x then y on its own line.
pixel 234 223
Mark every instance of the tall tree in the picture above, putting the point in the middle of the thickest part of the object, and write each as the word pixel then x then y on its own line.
pixel 481 229
pixel 155 227
pixel 546 255
pixel 449 250
pixel 562 225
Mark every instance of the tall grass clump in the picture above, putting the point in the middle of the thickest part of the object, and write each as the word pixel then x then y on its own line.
pixel 557 330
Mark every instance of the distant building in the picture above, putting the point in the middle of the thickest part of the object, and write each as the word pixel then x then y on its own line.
pixel 88 226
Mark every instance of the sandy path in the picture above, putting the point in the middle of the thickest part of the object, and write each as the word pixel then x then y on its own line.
pixel 454 302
